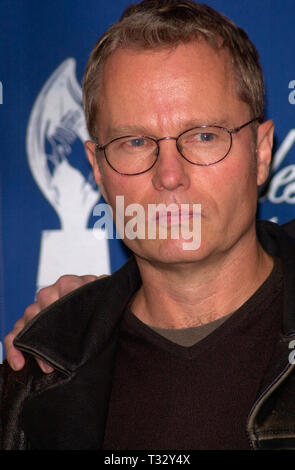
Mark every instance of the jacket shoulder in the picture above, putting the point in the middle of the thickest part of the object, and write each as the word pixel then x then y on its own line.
pixel 76 326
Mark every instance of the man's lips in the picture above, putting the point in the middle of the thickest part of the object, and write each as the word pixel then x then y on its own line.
pixel 181 216
pixel 173 218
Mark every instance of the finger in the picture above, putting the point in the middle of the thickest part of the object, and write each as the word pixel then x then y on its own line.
pixel 14 357
pixel 44 366
pixel 30 312
pixel 44 297
pixel 64 285
pixel 69 282
pixel 90 277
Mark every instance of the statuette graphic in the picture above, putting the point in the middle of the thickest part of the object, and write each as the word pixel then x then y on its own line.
pixel 56 122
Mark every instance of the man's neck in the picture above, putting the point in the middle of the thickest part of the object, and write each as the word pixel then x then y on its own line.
pixel 192 294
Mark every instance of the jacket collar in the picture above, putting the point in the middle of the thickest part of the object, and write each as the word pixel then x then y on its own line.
pixel 277 242
pixel 79 325
pixel 70 331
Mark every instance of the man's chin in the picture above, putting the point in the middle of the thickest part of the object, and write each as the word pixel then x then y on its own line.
pixel 168 251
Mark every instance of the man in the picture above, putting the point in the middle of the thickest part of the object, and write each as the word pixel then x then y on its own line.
pixel 181 348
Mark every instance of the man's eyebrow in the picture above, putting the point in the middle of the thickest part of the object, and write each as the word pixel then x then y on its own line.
pixel 208 122
pixel 114 132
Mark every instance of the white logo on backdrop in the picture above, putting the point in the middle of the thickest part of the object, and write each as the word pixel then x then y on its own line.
pixel 282 185
pixel 57 117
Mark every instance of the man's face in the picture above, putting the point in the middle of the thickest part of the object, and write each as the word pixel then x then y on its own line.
pixel 163 93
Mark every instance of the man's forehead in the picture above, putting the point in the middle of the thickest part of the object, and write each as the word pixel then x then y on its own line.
pixel 189 56
pixel 168 74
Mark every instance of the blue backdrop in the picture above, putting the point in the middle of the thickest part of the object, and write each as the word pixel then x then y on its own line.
pixel 46 190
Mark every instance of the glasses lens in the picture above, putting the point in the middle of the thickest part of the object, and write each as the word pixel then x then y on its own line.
pixel 131 155
pixel 205 145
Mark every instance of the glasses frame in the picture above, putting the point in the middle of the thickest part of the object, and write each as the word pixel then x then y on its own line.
pixel 235 130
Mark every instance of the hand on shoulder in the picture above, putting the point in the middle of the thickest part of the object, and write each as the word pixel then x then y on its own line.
pixel 44 298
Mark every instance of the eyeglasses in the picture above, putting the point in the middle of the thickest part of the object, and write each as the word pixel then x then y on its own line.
pixel 136 154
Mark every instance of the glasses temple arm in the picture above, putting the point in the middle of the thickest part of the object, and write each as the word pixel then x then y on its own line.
pixel 237 129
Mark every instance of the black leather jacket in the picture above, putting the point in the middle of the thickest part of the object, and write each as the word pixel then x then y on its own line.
pixel 78 334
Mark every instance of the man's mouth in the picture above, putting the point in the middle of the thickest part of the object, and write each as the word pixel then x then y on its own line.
pixel 182 215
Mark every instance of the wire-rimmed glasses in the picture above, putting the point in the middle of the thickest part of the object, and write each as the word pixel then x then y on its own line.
pixel 136 154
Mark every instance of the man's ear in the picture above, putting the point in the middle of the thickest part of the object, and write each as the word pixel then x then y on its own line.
pixel 90 148
pixel 91 152
pixel 265 134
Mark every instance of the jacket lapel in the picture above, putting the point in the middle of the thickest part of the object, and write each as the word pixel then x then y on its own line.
pixel 79 325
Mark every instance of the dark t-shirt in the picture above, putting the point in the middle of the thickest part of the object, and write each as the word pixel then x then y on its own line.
pixel 169 396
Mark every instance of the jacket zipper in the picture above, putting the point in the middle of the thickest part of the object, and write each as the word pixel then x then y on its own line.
pixel 264 395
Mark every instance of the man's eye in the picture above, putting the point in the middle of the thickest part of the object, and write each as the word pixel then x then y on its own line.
pixel 201 138
pixel 138 142
pixel 205 137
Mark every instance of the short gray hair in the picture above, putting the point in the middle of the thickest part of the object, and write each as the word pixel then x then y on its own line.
pixel 152 24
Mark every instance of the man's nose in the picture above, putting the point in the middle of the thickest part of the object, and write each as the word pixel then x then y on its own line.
pixel 171 170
